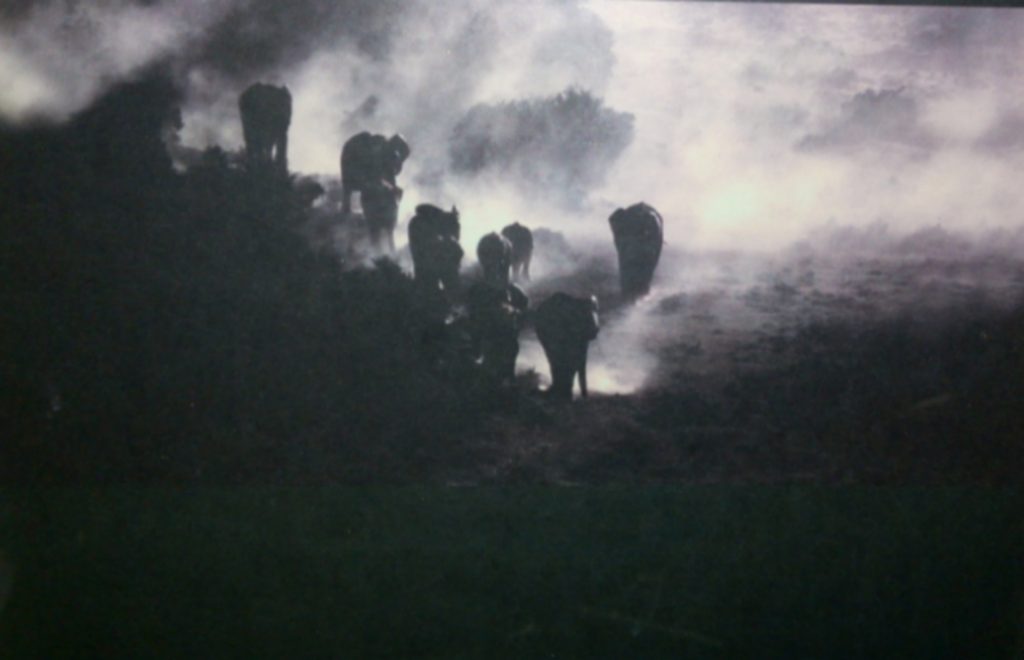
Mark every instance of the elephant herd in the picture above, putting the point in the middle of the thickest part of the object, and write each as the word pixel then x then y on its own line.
pixel 495 307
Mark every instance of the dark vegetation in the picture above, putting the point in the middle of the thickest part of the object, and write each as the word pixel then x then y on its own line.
pixel 176 326
pixel 560 146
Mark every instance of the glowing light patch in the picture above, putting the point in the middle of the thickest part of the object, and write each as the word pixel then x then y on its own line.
pixel 733 206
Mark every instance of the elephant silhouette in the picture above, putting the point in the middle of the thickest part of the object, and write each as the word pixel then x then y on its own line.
pixel 565 326
pixel 496 314
pixel 521 239
pixel 638 233
pixel 494 252
pixel 434 245
pixel 266 114
pixel 369 161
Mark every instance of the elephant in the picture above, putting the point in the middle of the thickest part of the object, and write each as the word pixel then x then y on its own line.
pixel 494 252
pixel 440 260
pixel 496 314
pixel 369 160
pixel 266 114
pixel 380 209
pixel 434 244
pixel 521 239
pixel 565 326
pixel 638 233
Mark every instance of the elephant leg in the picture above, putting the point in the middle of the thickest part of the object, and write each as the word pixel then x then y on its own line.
pixel 583 373
pixel 509 354
pixel 253 148
pixel 346 197
pixel 391 241
pixel 561 381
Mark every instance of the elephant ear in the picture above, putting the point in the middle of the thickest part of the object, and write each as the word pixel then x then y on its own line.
pixel 616 219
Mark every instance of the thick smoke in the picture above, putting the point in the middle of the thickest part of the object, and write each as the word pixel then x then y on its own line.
pixel 870 119
pixel 57 57
pixel 419 70
pixel 756 123
pixel 558 147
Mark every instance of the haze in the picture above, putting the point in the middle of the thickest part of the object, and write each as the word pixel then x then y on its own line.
pixel 753 123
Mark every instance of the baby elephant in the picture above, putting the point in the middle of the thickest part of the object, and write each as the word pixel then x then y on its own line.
pixel 565 327
pixel 521 239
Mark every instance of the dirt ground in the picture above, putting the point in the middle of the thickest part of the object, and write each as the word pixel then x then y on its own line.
pixel 800 366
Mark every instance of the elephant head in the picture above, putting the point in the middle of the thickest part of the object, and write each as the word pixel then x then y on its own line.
pixel 565 327
pixel 638 233
pixel 433 241
pixel 266 114
pixel 396 153
pixel 494 252
pixel 521 239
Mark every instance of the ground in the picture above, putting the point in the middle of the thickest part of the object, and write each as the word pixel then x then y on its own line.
pixel 800 455
pixel 442 572
pixel 796 367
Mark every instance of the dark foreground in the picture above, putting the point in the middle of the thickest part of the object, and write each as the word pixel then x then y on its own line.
pixel 706 572
pixel 175 331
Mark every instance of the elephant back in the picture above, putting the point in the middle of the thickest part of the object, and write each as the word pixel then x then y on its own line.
pixel 430 220
pixel 266 102
pixel 521 239
pixel 638 223
pixel 360 143
pixel 361 158
pixel 563 318
pixel 493 248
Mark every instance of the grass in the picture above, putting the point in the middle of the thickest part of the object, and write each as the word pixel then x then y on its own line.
pixel 721 571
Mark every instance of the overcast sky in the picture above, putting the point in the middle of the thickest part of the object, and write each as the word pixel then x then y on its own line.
pixel 753 122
